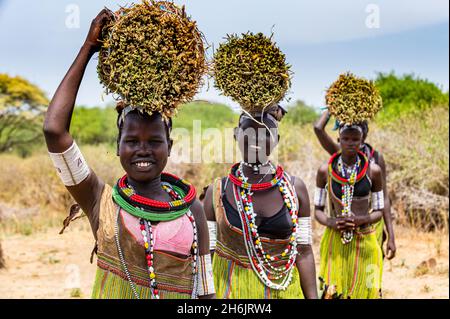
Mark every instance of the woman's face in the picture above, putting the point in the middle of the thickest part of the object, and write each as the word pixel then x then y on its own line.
pixel 255 141
pixel 350 141
pixel 144 146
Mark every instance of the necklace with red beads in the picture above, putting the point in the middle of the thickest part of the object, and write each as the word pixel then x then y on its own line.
pixel 147 235
pixel 277 276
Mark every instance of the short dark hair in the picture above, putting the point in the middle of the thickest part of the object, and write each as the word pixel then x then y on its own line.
pixel 119 123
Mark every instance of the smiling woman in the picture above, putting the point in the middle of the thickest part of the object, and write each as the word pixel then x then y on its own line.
pixel 151 232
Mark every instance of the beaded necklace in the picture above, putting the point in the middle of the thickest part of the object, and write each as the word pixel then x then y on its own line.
pixel 177 194
pixel 349 177
pixel 260 260
pixel 279 174
pixel 151 205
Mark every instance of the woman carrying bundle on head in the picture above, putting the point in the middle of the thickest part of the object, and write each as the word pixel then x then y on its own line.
pixel 350 256
pixel 373 155
pixel 258 214
pixel 151 232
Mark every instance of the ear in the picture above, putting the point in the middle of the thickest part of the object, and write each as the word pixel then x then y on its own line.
pixel 170 144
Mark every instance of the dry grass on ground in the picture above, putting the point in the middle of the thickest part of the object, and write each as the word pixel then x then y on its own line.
pixel 48 265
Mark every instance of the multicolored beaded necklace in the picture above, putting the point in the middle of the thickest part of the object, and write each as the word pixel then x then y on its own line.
pixel 348 178
pixel 179 195
pixel 260 260
pixel 241 183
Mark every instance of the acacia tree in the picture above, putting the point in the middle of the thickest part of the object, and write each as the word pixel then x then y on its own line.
pixel 22 106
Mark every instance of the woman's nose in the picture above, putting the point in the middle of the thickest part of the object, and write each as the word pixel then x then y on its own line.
pixel 144 148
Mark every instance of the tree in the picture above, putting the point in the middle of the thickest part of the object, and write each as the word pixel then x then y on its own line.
pixel 407 94
pixel 22 106
pixel 301 114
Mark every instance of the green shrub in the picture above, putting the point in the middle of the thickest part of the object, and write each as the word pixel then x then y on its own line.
pixel 407 94
pixel 94 125
pixel 211 115
pixel 300 114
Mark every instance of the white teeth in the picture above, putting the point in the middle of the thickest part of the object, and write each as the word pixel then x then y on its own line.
pixel 142 164
pixel 255 147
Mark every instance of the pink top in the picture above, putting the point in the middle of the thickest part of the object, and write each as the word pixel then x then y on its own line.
pixel 174 236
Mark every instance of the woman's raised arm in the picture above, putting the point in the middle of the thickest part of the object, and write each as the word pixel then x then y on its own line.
pixel 325 140
pixel 81 182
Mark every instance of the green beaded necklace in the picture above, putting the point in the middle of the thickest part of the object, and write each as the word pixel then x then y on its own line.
pixel 149 215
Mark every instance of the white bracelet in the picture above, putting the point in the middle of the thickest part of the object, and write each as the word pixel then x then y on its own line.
pixel 377 200
pixel 304 231
pixel 205 276
pixel 320 196
pixel 70 165
pixel 212 228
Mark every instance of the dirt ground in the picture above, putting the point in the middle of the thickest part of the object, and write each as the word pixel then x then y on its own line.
pixel 48 265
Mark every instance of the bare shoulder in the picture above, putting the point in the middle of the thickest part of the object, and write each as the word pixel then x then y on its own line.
pixel 376 174
pixel 197 210
pixel 375 169
pixel 299 185
pixel 208 203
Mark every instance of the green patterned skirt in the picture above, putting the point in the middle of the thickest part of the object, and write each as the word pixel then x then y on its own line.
pixel 233 281
pixel 353 270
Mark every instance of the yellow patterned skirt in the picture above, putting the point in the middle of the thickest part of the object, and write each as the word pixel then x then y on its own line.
pixel 353 270
pixel 232 281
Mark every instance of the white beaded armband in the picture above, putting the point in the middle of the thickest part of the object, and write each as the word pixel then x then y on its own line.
pixel 377 200
pixel 205 276
pixel 320 196
pixel 304 231
pixel 70 165
pixel 212 228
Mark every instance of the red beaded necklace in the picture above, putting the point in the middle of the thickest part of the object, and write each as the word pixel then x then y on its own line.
pixel 239 182
pixel 342 180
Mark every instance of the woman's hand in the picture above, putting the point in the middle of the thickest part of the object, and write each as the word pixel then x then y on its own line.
pixel 94 37
pixel 336 223
pixel 390 249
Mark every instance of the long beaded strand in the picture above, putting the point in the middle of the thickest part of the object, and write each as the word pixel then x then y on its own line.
pixel 146 231
pixel 261 261
pixel 347 194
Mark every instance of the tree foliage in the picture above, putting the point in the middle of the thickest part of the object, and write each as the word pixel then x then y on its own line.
pixel 22 105
pixel 407 94
pixel 300 113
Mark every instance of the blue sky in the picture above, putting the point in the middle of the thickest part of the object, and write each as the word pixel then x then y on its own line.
pixel 320 38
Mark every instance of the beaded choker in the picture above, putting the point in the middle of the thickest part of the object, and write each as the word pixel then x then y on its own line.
pixel 142 207
pixel 236 177
pixel 343 180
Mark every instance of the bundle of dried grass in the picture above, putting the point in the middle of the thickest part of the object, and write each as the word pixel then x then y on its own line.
pixel 152 57
pixel 251 70
pixel 352 99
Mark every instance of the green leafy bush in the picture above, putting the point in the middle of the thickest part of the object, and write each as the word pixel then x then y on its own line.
pixel 407 94
pixel 301 113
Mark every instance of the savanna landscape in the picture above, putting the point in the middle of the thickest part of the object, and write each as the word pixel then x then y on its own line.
pixel 38 262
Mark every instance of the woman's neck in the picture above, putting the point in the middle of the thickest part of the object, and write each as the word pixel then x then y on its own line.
pixel 262 172
pixel 349 159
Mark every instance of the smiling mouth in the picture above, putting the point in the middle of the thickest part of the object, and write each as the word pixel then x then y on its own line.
pixel 142 164
pixel 255 147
